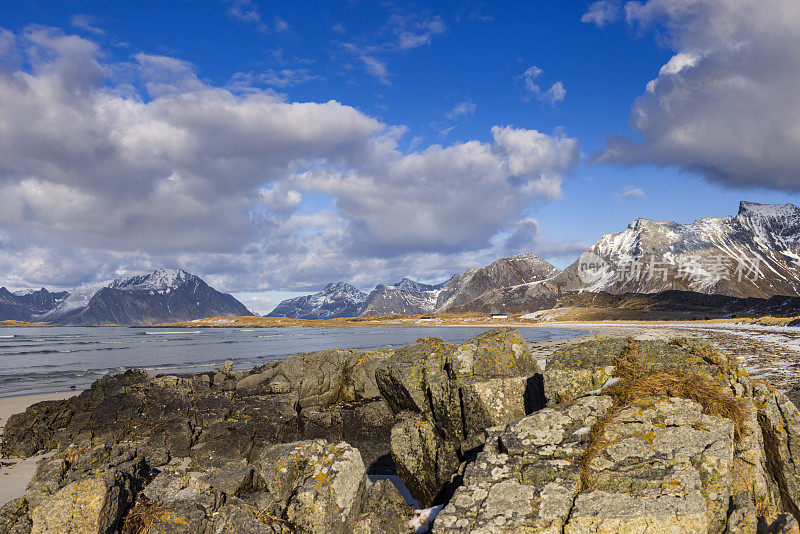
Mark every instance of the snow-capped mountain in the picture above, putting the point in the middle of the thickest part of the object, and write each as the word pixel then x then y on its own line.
pixel 24 304
pixel 523 269
pixel 335 300
pixel 160 296
pixel 756 253
pixel 406 297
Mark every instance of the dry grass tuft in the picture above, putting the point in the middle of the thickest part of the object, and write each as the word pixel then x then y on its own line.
pixel 142 517
pixel 687 385
pixel 597 442
pixel 709 353
pixel 629 361
pixel 638 383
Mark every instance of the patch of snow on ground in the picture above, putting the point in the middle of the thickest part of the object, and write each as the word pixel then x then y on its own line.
pixel 423 519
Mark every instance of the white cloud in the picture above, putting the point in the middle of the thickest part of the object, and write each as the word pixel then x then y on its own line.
pixel 631 191
pixel 248 189
pixel 463 109
pixel 405 32
pixel 86 23
pixel 725 105
pixel 246 11
pixel 281 25
pixel 413 33
pixel 553 95
pixel 603 12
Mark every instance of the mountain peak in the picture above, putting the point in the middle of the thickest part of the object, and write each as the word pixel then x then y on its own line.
pixel 749 209
pixel 157 280
pixel 340 287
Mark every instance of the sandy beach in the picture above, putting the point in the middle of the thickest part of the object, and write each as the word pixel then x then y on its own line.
pixel 15 473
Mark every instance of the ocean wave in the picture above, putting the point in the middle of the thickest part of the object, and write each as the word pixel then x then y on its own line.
pixel 173 333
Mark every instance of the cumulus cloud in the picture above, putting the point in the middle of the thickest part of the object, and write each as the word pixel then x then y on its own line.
pixel 725 105
pixel 101 176
pixel 553 95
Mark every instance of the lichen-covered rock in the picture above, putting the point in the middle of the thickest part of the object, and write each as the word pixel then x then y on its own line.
pixel 329 493
pixel 444 397
pixel 666 466
pixel 14 518
pixel 527 476
pixel 498 352
pixel 305 487
pixel 578 369
pixel 423 459
pixel 779 420
pixel 87 488
pixel 384 511
pixel 222 416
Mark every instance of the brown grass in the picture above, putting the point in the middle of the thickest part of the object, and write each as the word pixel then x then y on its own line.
pixel 18 324
pixel 142 517
pixel 638 383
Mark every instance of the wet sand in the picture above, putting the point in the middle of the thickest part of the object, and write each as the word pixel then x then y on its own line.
pixel 15 473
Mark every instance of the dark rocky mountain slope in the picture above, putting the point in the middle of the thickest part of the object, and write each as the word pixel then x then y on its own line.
pixel 160 296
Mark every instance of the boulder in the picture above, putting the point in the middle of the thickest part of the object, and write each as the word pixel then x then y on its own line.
pixel 647 464
pixel 306 487
pixel 444 397
pixel 328 494
pixel 779 420
pixel 384 511
pixel 527 476
pixel 14 518
pixel 221 416
pixel 576 370
pixel 86 488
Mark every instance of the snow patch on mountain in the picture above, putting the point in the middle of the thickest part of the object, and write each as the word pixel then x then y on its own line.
pixel 335 300
pixel 756 253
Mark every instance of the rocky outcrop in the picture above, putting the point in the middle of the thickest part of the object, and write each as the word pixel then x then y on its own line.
pixel 312 487
pixel 229 414
pixel 621 462
pixel 614 436
pixel 445 396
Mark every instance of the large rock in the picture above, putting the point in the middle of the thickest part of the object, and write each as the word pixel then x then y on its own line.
pixel 667 466
pixel 779 420
pixel 527 476
pixel 578 369
pixel 655 464
pixel 445 396
pixel 384 511
pixel 312 487
pixel 83 489
pixel 227 415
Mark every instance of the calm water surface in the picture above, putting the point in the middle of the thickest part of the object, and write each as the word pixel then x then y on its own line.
pixel 44 360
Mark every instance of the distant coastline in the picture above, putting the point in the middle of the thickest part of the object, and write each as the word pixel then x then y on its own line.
pixel 21 324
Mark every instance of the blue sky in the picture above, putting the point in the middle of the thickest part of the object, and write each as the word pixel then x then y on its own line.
pixel 403 77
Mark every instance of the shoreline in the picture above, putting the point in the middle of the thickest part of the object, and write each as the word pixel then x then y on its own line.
pixel 767 352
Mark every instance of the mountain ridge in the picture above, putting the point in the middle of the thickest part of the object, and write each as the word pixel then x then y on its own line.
pixel 164 294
